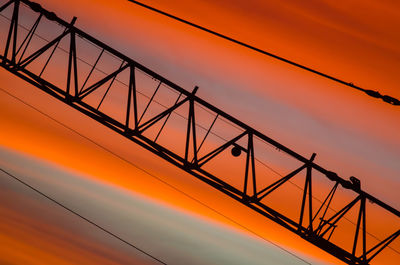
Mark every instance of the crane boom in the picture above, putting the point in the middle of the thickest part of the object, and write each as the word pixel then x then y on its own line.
pixel 28 56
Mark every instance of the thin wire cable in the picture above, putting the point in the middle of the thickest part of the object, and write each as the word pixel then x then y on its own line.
pixel 123 83
pixel 162 105
pixel 80 216
pixel 159 103
pixel 180 115
pixel 169 88
pixel 371 93
pixel 154 176
pixel 115 57
pixel 163 181
pixel 200 126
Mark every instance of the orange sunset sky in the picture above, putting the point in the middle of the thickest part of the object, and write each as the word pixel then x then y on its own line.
pixel 140 196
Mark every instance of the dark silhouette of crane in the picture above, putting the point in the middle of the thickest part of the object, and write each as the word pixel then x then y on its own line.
pixel 29 53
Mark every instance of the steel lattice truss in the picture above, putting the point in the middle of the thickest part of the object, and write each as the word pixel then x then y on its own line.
pixel 181 128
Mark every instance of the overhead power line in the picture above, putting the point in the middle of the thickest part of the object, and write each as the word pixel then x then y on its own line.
pixel 153 176
pixel 167 183
pixel 314 223
pixel 79 215
pixel 178 114
pixel 371 93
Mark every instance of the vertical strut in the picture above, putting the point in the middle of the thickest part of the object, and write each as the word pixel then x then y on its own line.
pixel 194 131
pixel 15 18
pixel 250 166
pixel 191 130
pixel 131 96
pixel 307 192
pixel 246 172
pixel 253 165
pixel 364 231
pixel 72 66
pixel 360 219
pixel 12 34
pixel 316 233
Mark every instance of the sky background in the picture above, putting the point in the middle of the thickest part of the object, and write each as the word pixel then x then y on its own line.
pixel 351 133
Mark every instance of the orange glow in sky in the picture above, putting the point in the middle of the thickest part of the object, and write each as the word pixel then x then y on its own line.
pixel 353 134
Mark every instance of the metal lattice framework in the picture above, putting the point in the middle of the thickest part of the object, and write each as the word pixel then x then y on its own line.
pixel 28 55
